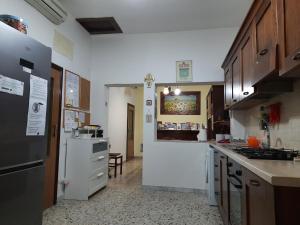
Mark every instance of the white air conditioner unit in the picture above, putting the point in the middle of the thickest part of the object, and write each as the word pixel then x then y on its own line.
pixel 51 9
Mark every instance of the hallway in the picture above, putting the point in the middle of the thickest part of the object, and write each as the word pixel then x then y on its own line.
pixel 125 202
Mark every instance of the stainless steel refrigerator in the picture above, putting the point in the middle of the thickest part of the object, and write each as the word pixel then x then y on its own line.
pixel 25 66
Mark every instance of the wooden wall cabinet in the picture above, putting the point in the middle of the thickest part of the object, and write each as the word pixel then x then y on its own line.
pixel 247 62
pixel 265 33
pixel 258 200
pixel 289 37
pixel 228 88
pixel 85 87
pixel 217 117
pixel 267 45
pixel 236 79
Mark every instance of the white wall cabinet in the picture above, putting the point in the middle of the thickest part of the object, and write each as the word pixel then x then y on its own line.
pixel 86 167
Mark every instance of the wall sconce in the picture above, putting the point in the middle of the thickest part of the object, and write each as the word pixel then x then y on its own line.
pixel 167 90
pixel 177 91
pixel 149 80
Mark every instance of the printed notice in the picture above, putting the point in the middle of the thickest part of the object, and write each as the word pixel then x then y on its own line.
pixel 70 120
pixel 11 86
pixel 37 108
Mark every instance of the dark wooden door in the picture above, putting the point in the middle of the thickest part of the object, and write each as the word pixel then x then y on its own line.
pixel 228 88
pixel 247 64
pixel 51 163
pixel 236 79
pixel 223 204
pixel 258 201
pixel 265 33
pixel 289 36
pixel 130 131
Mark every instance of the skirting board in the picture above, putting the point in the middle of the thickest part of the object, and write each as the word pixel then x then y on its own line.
pixel 173 189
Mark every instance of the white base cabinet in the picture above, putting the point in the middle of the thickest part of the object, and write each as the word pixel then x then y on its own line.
pixel 86 167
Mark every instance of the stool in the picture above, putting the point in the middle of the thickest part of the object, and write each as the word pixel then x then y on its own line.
pixel 115 164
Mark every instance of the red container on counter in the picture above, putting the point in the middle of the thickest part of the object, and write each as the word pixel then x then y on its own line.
pixel 253 142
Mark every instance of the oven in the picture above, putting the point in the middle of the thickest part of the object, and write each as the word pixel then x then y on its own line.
pixel 235 192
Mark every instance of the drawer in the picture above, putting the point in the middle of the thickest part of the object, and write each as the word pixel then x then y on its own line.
pixel 99 148
pixel 98 181
pixel 99 154
pixel 98 164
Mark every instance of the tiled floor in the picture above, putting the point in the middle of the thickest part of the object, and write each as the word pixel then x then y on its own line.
pixel 124 202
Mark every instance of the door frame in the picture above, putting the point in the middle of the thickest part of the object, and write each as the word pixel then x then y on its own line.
pixel 55 66
pixel 128 106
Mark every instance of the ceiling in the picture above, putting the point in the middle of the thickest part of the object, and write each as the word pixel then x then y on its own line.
pixel 154 16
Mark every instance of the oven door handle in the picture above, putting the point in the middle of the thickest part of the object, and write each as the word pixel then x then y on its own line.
pixel 235 182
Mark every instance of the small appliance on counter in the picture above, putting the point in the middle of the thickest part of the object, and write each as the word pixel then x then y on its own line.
pixel 90 131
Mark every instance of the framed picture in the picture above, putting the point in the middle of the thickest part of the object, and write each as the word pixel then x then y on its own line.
pixel 184 126
pixel 187 103
pixel 184 71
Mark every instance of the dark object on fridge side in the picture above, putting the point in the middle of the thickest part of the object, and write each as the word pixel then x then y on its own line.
pixel 21 157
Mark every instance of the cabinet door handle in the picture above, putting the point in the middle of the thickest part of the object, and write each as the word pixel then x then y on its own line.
pixel 254 183
pixel 263 52
pixel 246 93
pixel 296 56
pixel 216 165
pixel 234 100
pixel 222 157
pixel 100 174
pixel 101 157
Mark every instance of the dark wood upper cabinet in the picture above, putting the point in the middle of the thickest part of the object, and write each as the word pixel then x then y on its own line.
pixel 247 64
pixel 236 79
pixel 217 117
pixel 228 88
pixel 265 41
pixel 264 52
pixel 289 37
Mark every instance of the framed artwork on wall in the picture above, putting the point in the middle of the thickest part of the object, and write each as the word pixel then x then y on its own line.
pixel 184 71
pixel 187 103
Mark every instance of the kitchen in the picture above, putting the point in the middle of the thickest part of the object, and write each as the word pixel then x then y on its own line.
pixel 261 69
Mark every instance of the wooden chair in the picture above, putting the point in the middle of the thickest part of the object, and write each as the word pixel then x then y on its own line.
pixel 115 163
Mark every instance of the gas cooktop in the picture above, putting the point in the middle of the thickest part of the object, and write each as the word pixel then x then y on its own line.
pixel 269 154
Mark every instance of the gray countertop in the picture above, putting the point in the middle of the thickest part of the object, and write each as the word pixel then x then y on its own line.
pixel 276 172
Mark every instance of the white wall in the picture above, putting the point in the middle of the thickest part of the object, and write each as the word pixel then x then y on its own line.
pixel 286 133
pixel 119 97
pixel 126 59
pixel 42 30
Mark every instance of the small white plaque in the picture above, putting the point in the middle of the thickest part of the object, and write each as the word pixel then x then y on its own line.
pixel 11 86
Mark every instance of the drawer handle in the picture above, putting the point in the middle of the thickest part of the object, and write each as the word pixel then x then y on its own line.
pixel 297 56
pixel 222 157
pixel 101 157
pixel 100 174
pixel 254 183
pixel 234 100
pixel 246 93
pixel 263 52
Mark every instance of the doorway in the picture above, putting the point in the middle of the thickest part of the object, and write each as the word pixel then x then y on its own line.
pixel 51 163
pixel 130 131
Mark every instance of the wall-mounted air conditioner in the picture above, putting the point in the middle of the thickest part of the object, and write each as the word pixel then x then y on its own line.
pixel 51 9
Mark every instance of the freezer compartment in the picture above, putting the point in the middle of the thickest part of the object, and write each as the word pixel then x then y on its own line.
pixel 21 196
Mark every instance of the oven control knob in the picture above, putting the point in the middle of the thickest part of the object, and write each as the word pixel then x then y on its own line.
pixel 238 172
pixel 229 164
